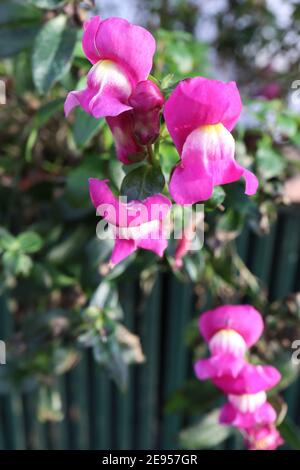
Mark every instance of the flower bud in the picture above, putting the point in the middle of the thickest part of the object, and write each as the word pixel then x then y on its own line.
pixel 147 102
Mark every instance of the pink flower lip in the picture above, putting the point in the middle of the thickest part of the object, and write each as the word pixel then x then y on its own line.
pixel 264 437
pixel 251 379
pixel 218 366
pixel 261 415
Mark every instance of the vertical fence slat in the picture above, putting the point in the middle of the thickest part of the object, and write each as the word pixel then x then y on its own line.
pixel 147 375
pixel 12 412
pixel 285 256
pixel 33 428
pixel 260 255
pixel 99 406
pixel 125 400
pixel 179 311
pixel 77 406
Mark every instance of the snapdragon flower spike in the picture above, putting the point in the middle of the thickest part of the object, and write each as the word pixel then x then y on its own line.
pixel 264 437
pixel 229 331
pixel 121 54
pixel 140 126
pixel 136 224
pixel 199 114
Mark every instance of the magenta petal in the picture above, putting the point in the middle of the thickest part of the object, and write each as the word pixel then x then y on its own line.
pixel 216 147
pixel 244 319
pixel 191 181
pixel 217 366
pixel 157 245
pixel 230 415
pixel 200 101
pixel 207 160
pixel 126 44
pixel 158 206
pixel 79 98
pixel 189 185
pixel 265 437
pixel 91 28
pixel 137 224
pixel 251 182
pixel 251 379
pixel 104 200
pixel 107 92
pixel 147 101
pixel 122 129
pixel 146 96
pixel 122 249
pixel 111 87
pixel 131 214
pixel 101 193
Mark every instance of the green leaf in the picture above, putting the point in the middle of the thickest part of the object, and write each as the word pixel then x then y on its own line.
pixel 167 81
pixel 142 182
pixel 85 127
pixel 17 263
pixel 30 242
pixel 230 222
pixel 77 188
pixel 69 247
pixel 289 371
pixel 7 241
pixel 290 433
pixel 194 397
pixel 270 162
pixel 287 125
pixel 216 199
pixel 168 156
pixel 206 434
pixel 15 39
pixel 46 111
pixel 14 11
pixel 52 52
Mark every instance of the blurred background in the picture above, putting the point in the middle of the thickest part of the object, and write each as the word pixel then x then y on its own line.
pixel 99 359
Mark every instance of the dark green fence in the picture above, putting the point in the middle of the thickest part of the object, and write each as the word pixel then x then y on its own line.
pixel 98 416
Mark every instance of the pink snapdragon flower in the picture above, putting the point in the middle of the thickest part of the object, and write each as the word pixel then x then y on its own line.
pixel 247 410
pixel 140 126
pixel 247 400
pixel 136 224
pixel 229 331
pixel 263 438
pixel 121 54
pixel 199 115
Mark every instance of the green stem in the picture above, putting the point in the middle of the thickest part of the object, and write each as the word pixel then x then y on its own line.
pixel 151 156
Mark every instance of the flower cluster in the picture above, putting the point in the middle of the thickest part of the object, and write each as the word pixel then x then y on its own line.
pixel 199 115
pixel 229 331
